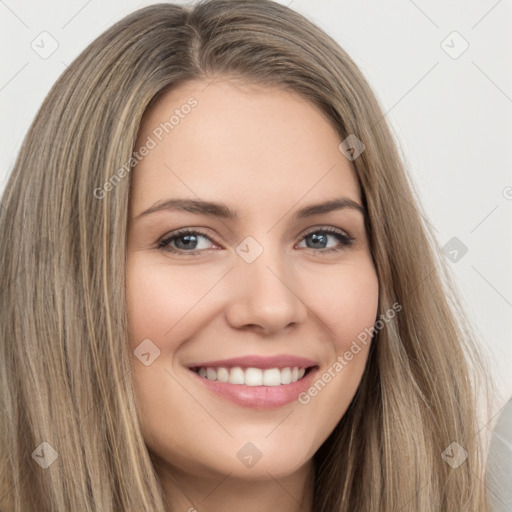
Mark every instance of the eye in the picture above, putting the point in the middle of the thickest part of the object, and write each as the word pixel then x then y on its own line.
pixel 189 241
pixel 319 239
pixel 186 240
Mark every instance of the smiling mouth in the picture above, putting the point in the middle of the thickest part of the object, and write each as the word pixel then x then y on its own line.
pixel 253 376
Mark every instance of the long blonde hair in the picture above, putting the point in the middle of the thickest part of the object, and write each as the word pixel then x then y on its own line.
pixel 64 356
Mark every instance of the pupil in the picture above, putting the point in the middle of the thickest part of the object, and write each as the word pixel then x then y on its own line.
pixel 188 240
pixel 318 238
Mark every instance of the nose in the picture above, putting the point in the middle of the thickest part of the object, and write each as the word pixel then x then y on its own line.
pixel 265 294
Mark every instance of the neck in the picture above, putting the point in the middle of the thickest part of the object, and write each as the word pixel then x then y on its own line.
pixel 293 493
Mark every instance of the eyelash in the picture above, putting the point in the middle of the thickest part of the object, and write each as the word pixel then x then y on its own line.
pixel 344 239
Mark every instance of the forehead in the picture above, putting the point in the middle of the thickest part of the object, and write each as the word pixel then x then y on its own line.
pixel 257 144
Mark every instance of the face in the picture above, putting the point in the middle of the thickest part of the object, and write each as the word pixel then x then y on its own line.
pixel 242 294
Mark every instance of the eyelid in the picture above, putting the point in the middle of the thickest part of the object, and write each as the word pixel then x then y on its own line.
pixel 181 232
pixel 163 243
pixel 327 229
pixel 345 239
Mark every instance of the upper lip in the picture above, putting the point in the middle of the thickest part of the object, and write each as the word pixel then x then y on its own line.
pixel 263 362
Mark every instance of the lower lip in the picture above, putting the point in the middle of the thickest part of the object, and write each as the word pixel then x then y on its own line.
pixel 260 397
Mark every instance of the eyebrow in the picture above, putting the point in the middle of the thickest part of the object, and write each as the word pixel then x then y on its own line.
pixel 221 210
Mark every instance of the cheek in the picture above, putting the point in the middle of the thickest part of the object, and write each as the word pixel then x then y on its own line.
pixel 347 305
pixel 159 299
pixel 159 303
pixel 346 301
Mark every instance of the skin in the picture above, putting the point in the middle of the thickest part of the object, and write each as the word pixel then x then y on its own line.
pixel 266 153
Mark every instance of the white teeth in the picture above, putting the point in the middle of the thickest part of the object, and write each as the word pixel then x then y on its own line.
pixel 236 375
pixel 272 377
pixel 222 375
pixel 253 376
pixel 286 376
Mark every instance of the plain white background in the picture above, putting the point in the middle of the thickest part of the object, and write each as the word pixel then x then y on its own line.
pixel 450 108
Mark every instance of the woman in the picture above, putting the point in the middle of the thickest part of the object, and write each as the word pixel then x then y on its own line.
pixel 261 369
